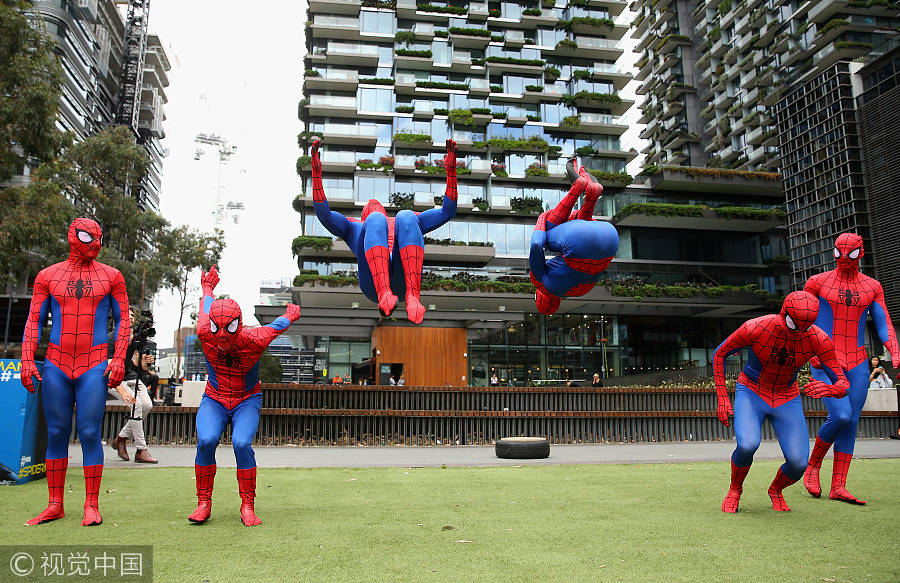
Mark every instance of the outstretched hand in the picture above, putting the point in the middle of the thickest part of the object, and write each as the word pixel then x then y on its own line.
pixel 292 312
pixel 116 372
pixel 450 157
pixel 817 389
pixel 209 280
pixel 316 160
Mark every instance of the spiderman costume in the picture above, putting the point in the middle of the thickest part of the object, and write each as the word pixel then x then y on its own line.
pixel 585 246
pixel 767 388
pixel 846 297
pixel 232 393
pixel 389 251
pixel 78 294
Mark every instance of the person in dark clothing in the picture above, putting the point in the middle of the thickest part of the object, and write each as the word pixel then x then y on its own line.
pixel 596 382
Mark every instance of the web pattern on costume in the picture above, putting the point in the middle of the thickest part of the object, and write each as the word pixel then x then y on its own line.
pixel 776 356
pixel 851 296
pixel 78 294
pixel 233 369
pixel 375 248
pixel 588 269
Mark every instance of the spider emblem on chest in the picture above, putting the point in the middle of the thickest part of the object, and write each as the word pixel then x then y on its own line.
pixel 781 356
pixel 849 297
pixel 228 359
pixel 79 288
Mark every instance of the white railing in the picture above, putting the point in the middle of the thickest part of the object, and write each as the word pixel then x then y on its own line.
pixel 596 43
pixel 349 130
pixel 333 101
pixel 406 78
pixel 341 74
pixel 423 28
pixel 335 21
pixel 353 49
pixel 479 84
pixel 338 157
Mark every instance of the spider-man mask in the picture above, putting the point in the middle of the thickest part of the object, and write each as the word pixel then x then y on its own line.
pixel 225 322
pixel 85 239
pixel 848 248
pixel 373 206
pixel 799 311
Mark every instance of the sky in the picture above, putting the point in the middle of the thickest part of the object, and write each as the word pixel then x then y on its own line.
pixel 236 72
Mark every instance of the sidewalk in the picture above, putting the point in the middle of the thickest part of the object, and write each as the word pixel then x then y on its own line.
pixel 465 456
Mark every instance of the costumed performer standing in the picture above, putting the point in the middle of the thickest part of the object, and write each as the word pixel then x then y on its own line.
pixel 585 246
pixel 767 388
pixel 232 393
pixel 78 294
pixel 389 250
pixel 846 297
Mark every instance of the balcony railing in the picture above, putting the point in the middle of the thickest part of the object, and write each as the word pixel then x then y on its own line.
pixel 333 101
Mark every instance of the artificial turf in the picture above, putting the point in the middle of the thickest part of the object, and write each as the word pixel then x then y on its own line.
pixel 642 522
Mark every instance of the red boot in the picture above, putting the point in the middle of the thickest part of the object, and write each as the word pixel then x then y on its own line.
pixel 839 479
pixel 378 260
pixel 778 484
pixel 92 476
pixel 733 498
pixel 811 475
pixel 56 481
pixel 206 475
pixel 247 488
pixel 412 257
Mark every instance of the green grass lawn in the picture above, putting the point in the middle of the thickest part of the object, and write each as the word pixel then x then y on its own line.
pixel 647 522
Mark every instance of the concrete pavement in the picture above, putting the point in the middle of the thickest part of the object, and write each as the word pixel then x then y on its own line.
pixel 466 456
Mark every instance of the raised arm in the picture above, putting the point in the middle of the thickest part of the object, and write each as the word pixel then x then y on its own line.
pixel 336 223
pixel 739 339
pixel 434 218
pixel 208 282
pixel 37 317
pixel 262 336
pixel 119 307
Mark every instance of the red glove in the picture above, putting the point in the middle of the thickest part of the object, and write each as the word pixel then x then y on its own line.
pixel 116 371
pixel 28 371
pixel 450 158
pixel 209 280
pixel 817 389
pixel 724 410
pixel 292 312
pixel 316 162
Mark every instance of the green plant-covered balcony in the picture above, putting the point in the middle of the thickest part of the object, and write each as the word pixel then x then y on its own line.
pixel 698 217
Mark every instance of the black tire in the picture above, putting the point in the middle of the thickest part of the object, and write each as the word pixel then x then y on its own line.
pixel 522 448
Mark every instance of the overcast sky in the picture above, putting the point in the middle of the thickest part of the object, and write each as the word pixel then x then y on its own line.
pixel 237 72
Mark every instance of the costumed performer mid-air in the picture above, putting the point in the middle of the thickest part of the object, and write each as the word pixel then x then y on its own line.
pixel 389 250
pixel 585 246
pixel 846 297
pixel 232 393
pixel 79 295
pixel 767 388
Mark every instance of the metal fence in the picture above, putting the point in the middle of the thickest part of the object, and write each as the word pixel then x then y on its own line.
pixel 381 415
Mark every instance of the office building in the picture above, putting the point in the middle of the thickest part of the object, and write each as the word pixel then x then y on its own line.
pixel 521 88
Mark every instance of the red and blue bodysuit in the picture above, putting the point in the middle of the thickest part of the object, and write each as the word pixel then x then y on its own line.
pixel 767 388
pixel 232 393
pixel 585 246
pixel 389 251
pixel 846 297
pixel 78 294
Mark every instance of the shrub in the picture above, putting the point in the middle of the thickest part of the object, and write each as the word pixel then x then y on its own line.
pixel 469 31
pixel 410 53
pixel 567 44
pixel 537 169
pixel 535 88
pixel 444 9
pixel 442 85
pixel 572 121
pixel 514 61
pixel 404 109
pixel 317 243
pixel 606 177
pixel 376 81
pixel 526 205
pixel 462 117
pixel 411 138
pixel 531 12
pixel 406 37
pixel 499 115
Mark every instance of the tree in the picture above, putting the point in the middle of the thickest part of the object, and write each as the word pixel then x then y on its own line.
pixel 270 369
pixel 188 250
pixel 31 81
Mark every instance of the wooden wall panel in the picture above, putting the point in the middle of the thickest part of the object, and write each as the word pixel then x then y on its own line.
pixel 430 356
